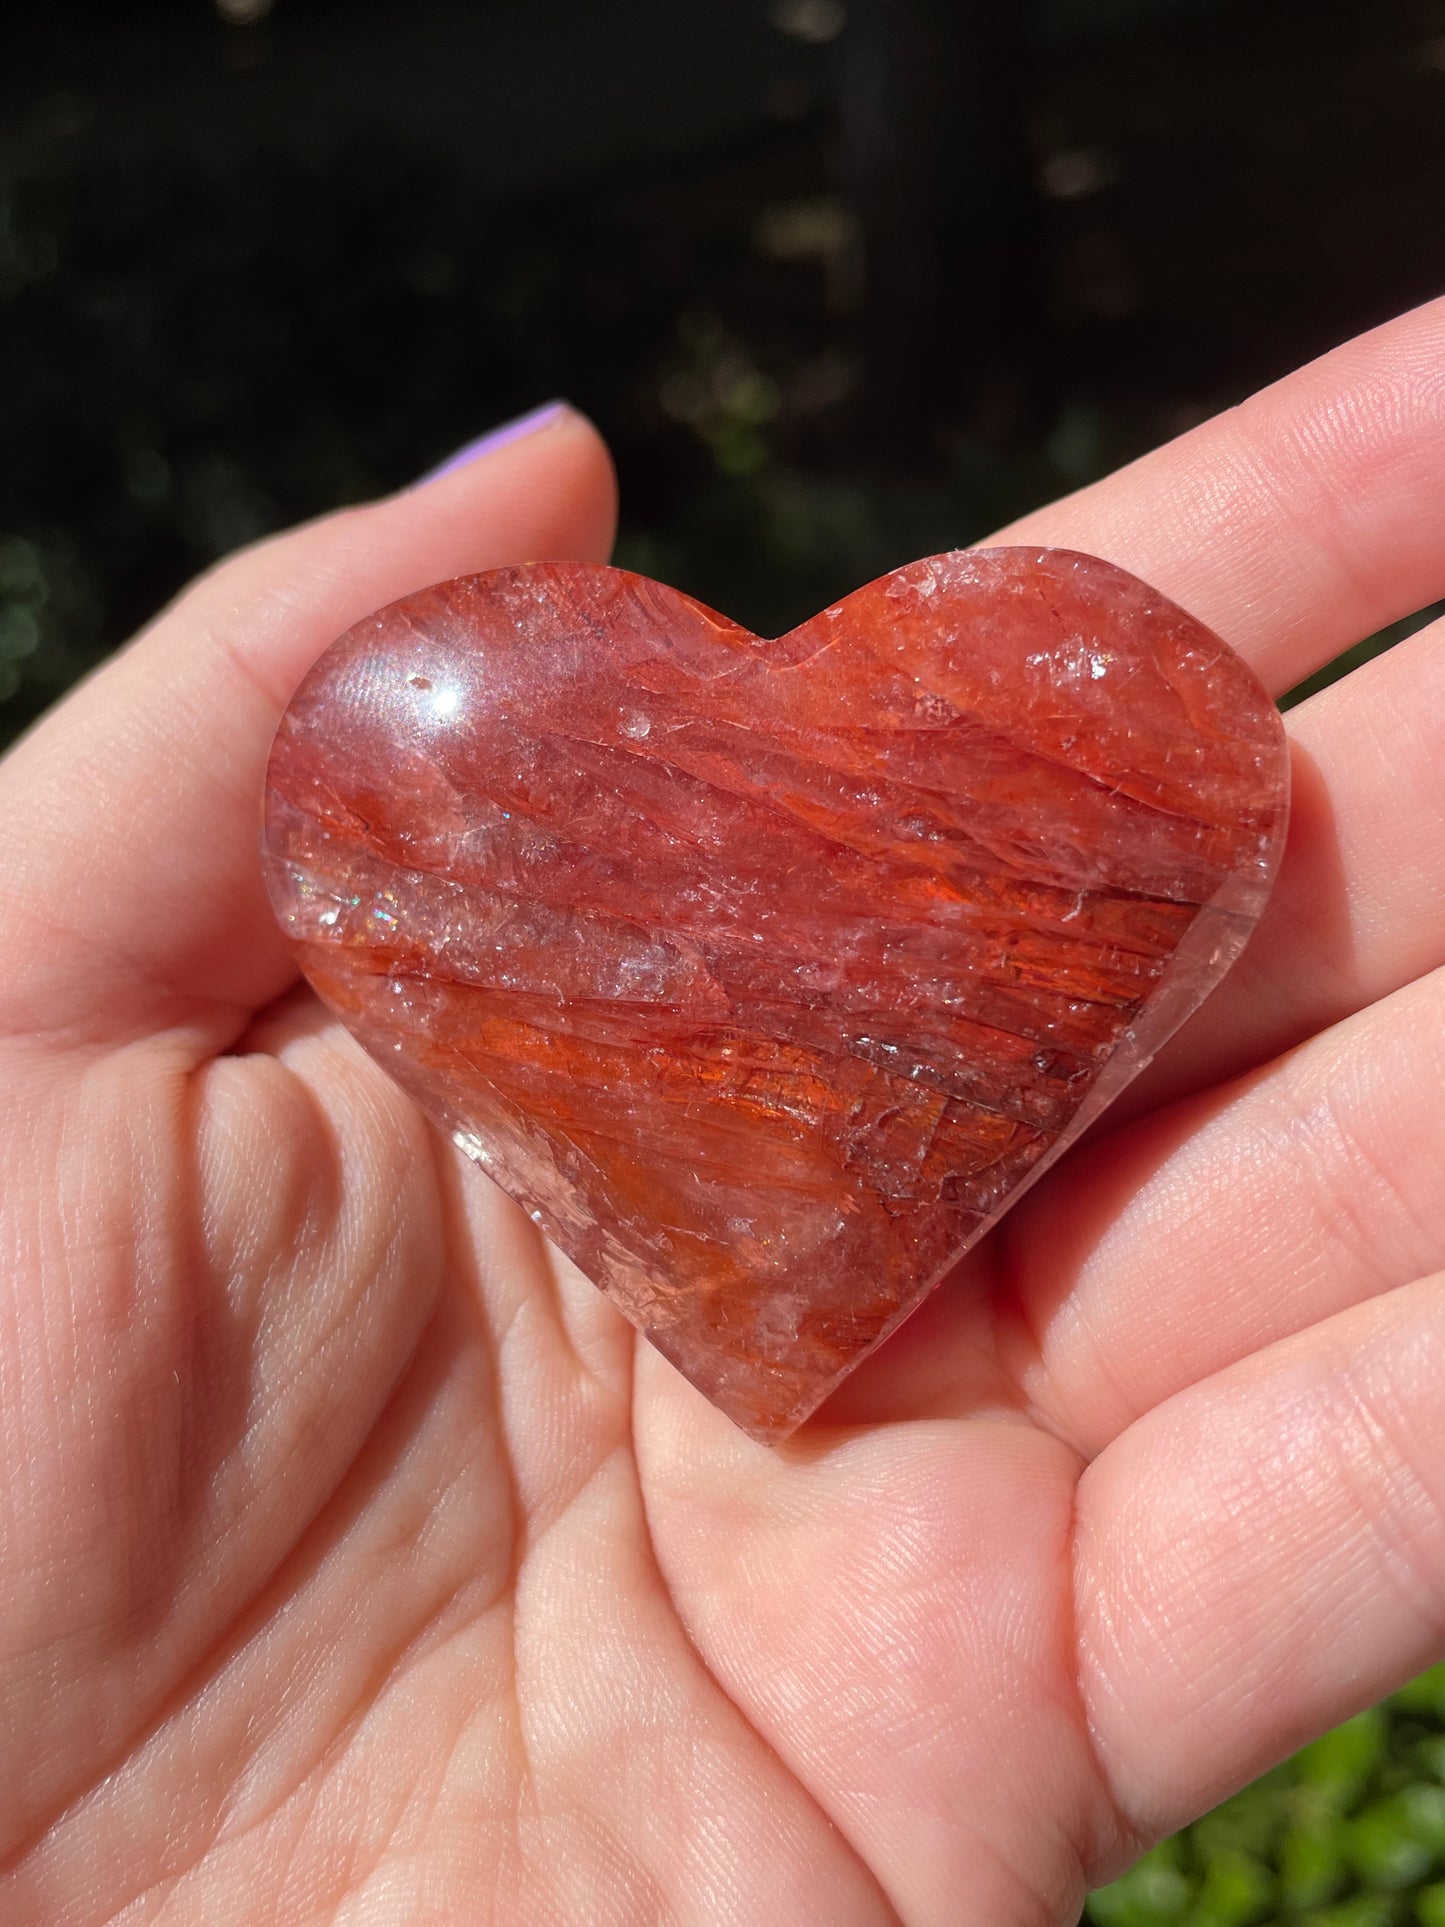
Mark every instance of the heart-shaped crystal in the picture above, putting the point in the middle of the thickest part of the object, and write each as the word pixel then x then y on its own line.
pixel 767 974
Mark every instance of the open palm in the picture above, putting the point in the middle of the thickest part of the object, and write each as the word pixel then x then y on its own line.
pixel 357 1565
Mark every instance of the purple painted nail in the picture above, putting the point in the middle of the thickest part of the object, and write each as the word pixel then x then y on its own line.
pixel 513 431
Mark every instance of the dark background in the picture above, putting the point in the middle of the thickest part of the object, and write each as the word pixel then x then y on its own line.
pixel 843 281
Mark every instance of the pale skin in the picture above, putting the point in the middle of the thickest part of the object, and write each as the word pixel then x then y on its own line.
pixel 358 1565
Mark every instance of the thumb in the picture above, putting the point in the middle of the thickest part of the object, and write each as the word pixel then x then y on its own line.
pixel 134 901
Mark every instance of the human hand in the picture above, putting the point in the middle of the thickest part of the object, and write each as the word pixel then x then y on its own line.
pixel 356 1563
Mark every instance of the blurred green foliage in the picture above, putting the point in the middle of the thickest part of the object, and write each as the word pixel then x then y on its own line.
pixel 190 361
pixel 193 359
pixel 1349 1833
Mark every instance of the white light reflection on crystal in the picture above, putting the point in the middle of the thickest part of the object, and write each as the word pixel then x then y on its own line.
pixel 439 701
pixel 470 1145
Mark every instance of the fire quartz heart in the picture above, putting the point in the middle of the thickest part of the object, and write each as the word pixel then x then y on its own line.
pixel 766 975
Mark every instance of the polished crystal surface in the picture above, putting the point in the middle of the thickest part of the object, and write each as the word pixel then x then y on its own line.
pixel 766 974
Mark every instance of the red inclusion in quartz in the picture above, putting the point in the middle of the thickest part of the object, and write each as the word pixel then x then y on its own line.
pixel 766 974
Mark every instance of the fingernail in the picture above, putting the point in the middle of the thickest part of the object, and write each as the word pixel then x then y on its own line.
pixel 515 430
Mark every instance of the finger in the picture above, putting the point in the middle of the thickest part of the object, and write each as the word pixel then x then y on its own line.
pixel 1295 524
pixel 1357 910
pixel 1263 1556
pixel 889 1606
pixel 133 895
pixel 1191 1239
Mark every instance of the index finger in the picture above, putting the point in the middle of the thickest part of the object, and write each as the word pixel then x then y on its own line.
pixel 1299 522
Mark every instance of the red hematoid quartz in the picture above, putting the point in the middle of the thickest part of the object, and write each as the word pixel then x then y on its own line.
pixel 767 974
